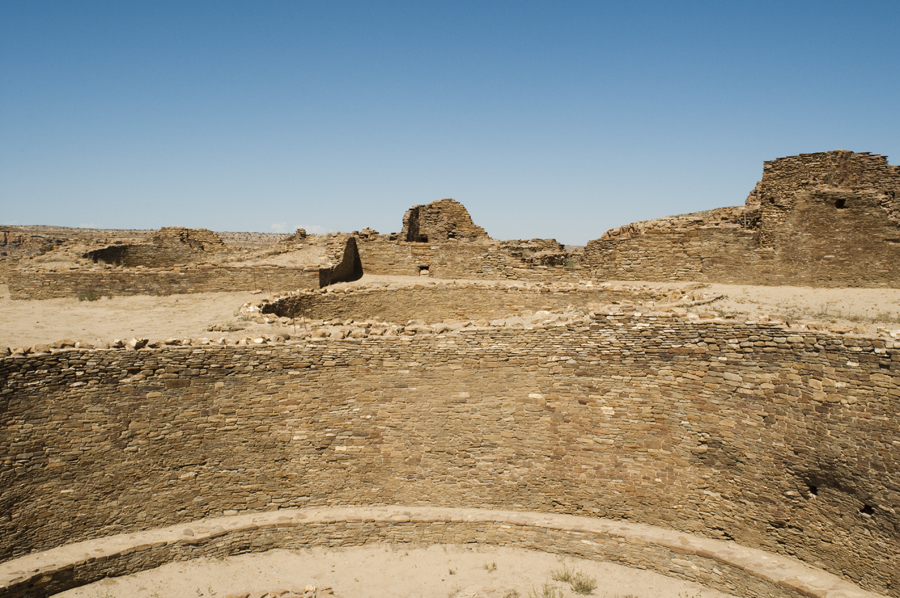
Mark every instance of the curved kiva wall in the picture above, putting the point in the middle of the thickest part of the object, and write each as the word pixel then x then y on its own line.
pixel 780 441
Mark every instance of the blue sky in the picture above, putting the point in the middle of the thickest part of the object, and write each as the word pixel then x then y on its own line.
pixel 546 119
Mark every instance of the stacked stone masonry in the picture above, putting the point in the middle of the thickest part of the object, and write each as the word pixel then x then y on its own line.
pixel 825 219
pixel 434 304
pixel 454 259
pixel 440 221
pixel 26 283
pixel 42 284
pixel 167 247
pixel 786 442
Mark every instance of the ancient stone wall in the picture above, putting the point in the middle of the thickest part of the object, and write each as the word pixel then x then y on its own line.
pixel 44 284
pixel 680 251
pixel 439 221
pixel 40 283
pixel 454 259
pixel 438 304
pixel 198 239
pixel 825 219
pixel 781 441
pixel 13 243
pixel 348 266
pixel 167 247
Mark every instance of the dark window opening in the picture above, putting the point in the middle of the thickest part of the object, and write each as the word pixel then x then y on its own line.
pixel 840 203
pixel 412 228
pixel 424 270
pixel 813 490
pixel 867 510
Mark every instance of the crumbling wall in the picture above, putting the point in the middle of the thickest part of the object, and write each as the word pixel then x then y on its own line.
pixel 348 269
pixel 17 244
pixel 167 247
pixel 718 245
pixel 439 221
pixel 198 239
pixel 824 219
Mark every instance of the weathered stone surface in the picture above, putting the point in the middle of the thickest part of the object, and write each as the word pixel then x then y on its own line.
pixel 825 219
pixel 38 284
pixel 439 221
pixel 684 424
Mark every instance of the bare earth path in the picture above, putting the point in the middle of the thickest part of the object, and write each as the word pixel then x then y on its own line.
pixel 385 571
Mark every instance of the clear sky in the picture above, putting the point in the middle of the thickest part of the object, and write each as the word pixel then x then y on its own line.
pixel 546 119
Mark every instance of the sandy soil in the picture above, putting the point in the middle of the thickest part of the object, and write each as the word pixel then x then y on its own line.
pixel 385 571
pixel 24 323
pixel 872 307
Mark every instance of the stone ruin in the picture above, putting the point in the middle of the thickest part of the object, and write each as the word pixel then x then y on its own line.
pixel 825 219
pixel 166 247
pixel 828 219
pixel 756 458
pixel 751 457
pixel 198 239
pixel 440 221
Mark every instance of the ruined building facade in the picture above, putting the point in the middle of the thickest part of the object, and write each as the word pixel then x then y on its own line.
pixel 823 219
pixel 440 221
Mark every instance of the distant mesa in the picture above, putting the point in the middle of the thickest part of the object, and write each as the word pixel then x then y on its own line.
pixel 440 221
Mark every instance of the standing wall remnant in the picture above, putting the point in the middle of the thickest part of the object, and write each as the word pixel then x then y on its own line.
pixel 439 221
pixel 825 219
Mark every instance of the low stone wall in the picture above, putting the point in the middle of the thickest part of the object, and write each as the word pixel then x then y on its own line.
pixel 42 284
pixel 783 442
pixel 721 565
pixel 440 303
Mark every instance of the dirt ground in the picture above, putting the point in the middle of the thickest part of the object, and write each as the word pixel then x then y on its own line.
pixel 24 323
pixel 385 571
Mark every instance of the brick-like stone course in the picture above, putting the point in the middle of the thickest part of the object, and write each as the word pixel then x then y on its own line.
pixel 457 259
pixel 43 284
pixel 825 219
pixel 781 441
pixel 439 221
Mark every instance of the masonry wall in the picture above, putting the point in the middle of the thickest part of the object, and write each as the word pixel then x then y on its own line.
pixel 826 219
pixel 435 304
pixel 734 431
pixel 438 221
pixel 150 256
pixel 679 253
pixel 42 284
pixel 457 259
